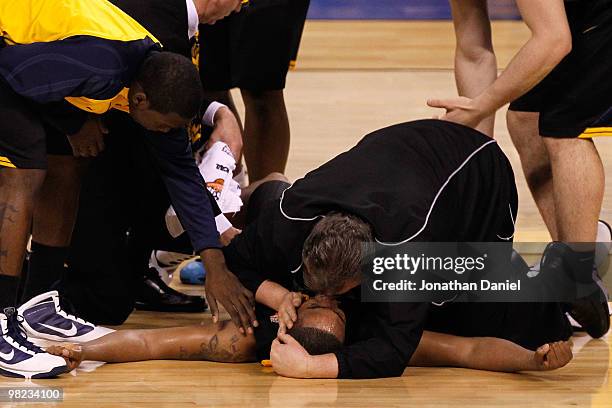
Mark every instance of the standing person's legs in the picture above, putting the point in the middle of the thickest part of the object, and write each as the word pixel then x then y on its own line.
pixel 264 40
pixel 577 95
pixel 23 165
pixel 565 103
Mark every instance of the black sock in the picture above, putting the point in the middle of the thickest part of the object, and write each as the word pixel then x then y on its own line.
pixel 9 285
pixel 46 267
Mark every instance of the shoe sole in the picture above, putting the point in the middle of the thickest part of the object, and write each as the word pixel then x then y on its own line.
pixel 175 264
pixel 35 374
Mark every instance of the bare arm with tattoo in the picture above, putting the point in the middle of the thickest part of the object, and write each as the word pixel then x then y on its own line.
pixel 221 342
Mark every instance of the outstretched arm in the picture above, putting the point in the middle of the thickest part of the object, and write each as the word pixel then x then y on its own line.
pixel 488 353
pixel 210 342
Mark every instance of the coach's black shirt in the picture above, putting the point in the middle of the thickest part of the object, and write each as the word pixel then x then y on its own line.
pixel 426 181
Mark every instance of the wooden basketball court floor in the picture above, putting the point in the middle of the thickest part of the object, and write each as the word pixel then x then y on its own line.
pixel 352 78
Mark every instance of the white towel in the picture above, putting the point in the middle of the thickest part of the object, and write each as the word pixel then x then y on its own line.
pixel 216 166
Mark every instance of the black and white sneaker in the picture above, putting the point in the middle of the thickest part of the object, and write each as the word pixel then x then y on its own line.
pixel 44 318
pixel 166 263
pixel 19 357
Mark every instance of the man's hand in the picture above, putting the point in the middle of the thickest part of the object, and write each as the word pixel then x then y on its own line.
pixel 215 10
pixel 460 110
pixel 227 131
pixel 223 287
pixel 72 353
pixel 289 358
pixel 287 311
pixel 229 235
pixel 89 141
pixel 552 356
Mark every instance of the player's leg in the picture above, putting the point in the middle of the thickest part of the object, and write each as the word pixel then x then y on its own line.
pixel 578 93
pixel 578 186
pixel 22 171
pixel 269 39
pixel 221 342
pixel 18 190
pixel 488 353
pixel 535 162
pixel 570 117
pixel 266 132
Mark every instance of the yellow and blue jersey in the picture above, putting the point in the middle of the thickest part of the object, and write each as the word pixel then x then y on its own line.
pixel 83 51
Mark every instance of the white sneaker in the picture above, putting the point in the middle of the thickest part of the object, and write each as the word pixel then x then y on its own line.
pixel 44 318
pixel 20 358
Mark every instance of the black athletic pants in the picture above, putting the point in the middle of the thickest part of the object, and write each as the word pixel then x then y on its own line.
pixel 120 221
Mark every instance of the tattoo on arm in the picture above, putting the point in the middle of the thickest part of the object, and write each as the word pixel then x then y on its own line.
pixel 211 351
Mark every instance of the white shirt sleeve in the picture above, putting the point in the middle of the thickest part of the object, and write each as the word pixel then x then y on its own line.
pixel 223 224
pixel 209 116
pixel 192 18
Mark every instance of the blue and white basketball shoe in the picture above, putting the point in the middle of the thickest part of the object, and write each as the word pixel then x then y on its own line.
pixel 44 318
pixel 20 358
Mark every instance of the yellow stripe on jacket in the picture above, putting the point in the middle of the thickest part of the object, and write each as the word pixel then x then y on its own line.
pixel 119 101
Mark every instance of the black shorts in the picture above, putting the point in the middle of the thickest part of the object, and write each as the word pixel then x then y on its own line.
pixel 22 133
pixel 25 137
pixel 252 49
pixel 573 98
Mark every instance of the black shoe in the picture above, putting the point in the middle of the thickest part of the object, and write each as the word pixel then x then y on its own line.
pixel 592 312
pixel 154 295
pixel 593 315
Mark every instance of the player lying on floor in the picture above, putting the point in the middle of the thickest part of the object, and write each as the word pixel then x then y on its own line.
pixel 320 327
pixel 428 181
pixel 451 169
